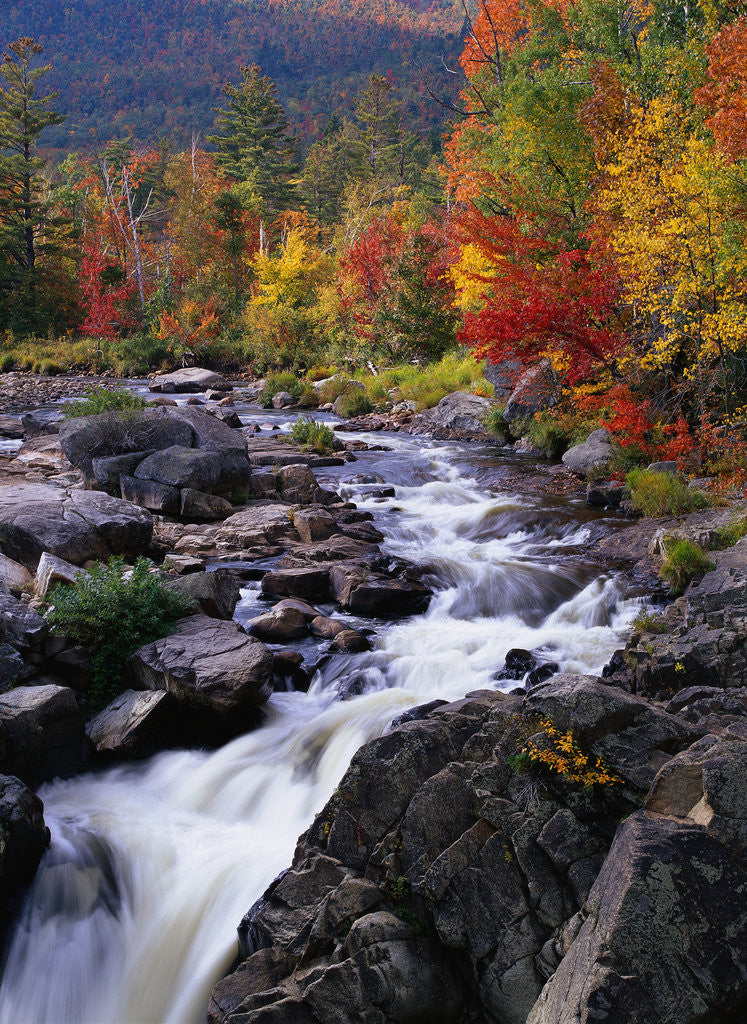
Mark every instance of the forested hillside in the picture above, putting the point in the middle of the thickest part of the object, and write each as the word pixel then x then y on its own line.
pixel 153 67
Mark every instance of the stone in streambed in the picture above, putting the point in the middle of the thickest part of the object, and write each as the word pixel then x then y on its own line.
pixel 41 733
pixel 326 628
pixel 190 379
pixel 208 664
pixel 137 723
pixel 75 525
pixel 23 834
pixel 199 507
pixel 108 469
pixel 151 495
pixel 309 583
pixel 307 610
pixel 351 642
pixel 181 467
pixel 15 576
pixel 51 571
pixel 214 594
pixel 314 525
pixel 278 626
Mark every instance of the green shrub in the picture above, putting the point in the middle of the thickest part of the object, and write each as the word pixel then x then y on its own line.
pixel 97 400
pixel 7 362
pixel 496 424
pixel 111 614
pixel 335 387
pixel 286 380
pixel 663 494
pixel 310 432
pixel 683 562
pixel 353 403
pixel 648 621
pixel 727 536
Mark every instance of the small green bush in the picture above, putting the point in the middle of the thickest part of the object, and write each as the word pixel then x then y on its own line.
pixel 496 424
pixel 727 536
pixel 310 432
pixel 286 380
pixel 335 387
pixel 110 615
pixel 663 494
pixel 683 562
pixel 7 362
pixel 97 400
pixel 353 403
pixel 648 621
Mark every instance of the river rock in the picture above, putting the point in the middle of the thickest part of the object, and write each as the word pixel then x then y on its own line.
pixel 351 641
pixel 23 834
pixel 199 507
pixel 592 456
pixel 133 725
pixel 373 594
pixel 278 626
pixel 208 664
pixel 297 484
pixel 214 594
pixel 258 524
pixel 107 434
pixel 460 415
pixel 151 495
pixel 15 576
pixel 310 583
pixel 108 469
pixel 538 388
pixel 190 379
pixel 228 416
pixel 326 628
pixel 308 611
pixel 42 734
pixel 314 524
pixel 282 400
pixel 181 467
pixel 51 571
pixel 74 525
pixel 11 427
pixel 663 937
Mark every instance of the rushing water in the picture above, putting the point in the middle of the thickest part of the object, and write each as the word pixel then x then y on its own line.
pixel 133 913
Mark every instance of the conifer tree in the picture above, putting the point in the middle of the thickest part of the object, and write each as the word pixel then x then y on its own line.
pixel 30 235
pixel 253 142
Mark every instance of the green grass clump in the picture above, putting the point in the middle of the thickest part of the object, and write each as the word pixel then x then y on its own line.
pixel 496 424
pixel 110 615
pixel 553 432
pixel 286 380
pixel 727 536
pixel 683 562
pixel 308 431
pixel 97 400
pixel 427 385
pixel 353 403
pixel 663 494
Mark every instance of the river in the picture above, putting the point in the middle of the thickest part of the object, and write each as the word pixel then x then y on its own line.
pixel 133 913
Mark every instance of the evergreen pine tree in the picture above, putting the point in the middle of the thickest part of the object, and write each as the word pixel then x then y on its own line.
pixel 31 236
pixel 253 142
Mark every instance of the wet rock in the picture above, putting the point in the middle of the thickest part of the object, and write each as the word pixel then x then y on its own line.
pixel 459 415
pixel 326 628
pixel 518 663
pixel 287 667
pixel 41 733
pixel 199 507
pixel 258 524
pixel 11 427
pixel 23 835
pixel 228 416
pixel 136 724
pixel 538 388
pixel 75 525
pixel 308 611
pixel 15 576
pixel 208 664
pixel 151 495
pixel 351 642
pixel 307 582
pixel 372 594
pixel 278 626
pixel 214 594
pixel 606 494
pixel 297 483
pixel 191 379
pixel 161 402
pixel 314 524
pixel 282 400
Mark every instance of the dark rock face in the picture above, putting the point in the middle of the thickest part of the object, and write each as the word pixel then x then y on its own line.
pixel 135 724
pixel 499 873
pixel 208 664
pixel 86 438
pixel 199 507
pixel 23 835
pixel 503 376
pixel 151 495
pixel 74 525
pixel 181 467
pixel 41 733
pixel 538 388
pixel 214 594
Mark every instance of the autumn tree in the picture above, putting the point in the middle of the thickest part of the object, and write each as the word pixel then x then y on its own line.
pixel 32 234
pixel 253 141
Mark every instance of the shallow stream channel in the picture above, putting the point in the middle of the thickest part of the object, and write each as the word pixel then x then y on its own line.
pixel 132 917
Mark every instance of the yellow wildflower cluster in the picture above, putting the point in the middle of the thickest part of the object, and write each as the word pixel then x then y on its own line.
pixel 560 752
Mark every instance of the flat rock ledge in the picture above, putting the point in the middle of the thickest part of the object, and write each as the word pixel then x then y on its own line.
pixel 441 885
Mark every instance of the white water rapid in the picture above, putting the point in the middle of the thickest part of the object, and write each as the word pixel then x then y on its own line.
pixel 133 914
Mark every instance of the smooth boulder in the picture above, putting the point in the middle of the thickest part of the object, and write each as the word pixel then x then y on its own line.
pixel 592 456
pixel 460 415
pixel 23 834
pixel 74 525
pixel 189 380
pixel 42 735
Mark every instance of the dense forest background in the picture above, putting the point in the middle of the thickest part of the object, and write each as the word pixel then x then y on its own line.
pixel 156 67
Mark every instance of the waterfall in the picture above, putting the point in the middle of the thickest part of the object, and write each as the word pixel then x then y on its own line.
pixel 133 913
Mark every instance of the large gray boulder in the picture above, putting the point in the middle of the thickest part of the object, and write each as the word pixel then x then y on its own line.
pixel 591 457
pixel 23 834
pixel 207 664
pixel 74 525
pixel 460 415
pixel 190 379
pixel 503 376
pixel 85 438
pixel 258 524
pixel 41 733
pixel 137 723
pixel 214 594
pixel 664 929
pixel 538 388
pixel 181 467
